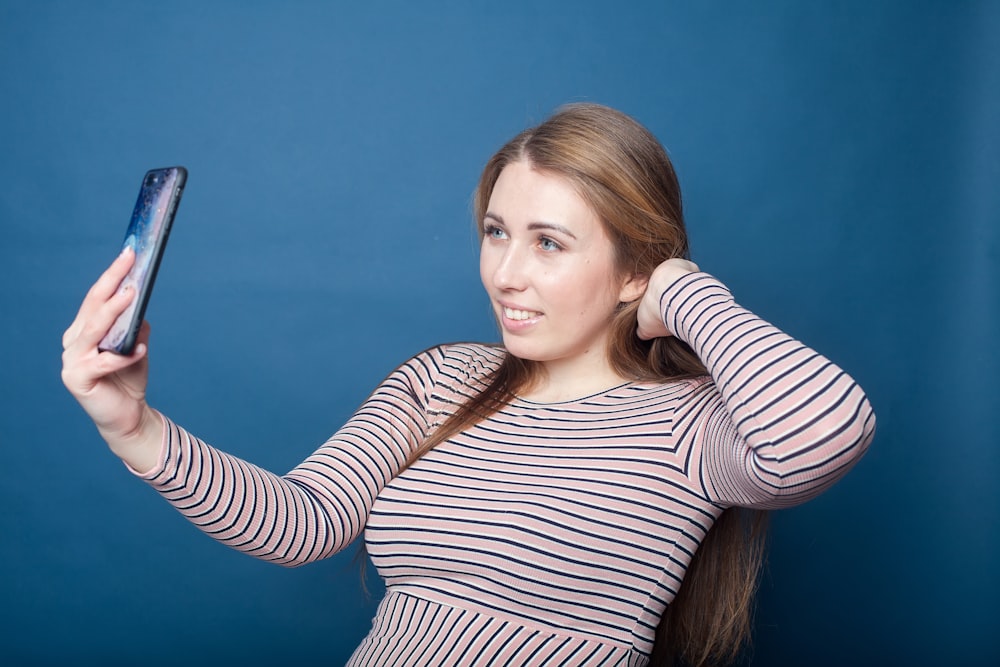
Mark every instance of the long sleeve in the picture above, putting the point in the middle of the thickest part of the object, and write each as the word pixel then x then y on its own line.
pixel 319 507
pixel 785 423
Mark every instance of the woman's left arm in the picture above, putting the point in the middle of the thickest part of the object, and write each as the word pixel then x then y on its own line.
pixel 785 422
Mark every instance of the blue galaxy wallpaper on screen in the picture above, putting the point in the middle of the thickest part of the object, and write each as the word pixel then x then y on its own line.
pixel 146 236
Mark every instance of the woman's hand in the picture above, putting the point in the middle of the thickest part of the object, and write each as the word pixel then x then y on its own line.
pixel 111 388
pixel 649 315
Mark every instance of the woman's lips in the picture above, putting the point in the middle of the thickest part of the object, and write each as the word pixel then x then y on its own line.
pixel 518 319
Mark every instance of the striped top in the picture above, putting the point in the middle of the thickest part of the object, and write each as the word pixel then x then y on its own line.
pixel 549 533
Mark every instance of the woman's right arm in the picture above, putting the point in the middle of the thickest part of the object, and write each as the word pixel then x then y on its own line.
pixel 312 512
pixel 320 506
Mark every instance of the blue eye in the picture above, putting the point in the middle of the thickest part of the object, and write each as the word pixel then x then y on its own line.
pixel 548 245
pixel 493 232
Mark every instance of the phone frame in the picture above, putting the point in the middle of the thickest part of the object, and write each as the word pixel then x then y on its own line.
pixel 147 234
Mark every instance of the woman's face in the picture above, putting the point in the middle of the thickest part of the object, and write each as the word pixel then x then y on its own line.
pixel 548 267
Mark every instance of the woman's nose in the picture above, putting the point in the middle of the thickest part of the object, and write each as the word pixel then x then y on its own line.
pixel 509 273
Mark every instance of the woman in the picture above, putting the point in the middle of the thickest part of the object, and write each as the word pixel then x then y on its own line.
pixel 539 502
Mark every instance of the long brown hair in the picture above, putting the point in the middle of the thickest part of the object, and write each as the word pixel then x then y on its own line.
pixel 624 174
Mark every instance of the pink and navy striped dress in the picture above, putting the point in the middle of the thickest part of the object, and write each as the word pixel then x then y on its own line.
pixel 550 533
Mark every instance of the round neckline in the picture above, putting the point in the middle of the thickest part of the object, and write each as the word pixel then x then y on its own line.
pixel 603 392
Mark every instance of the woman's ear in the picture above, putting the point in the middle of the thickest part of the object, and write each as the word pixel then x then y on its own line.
pixel 633 288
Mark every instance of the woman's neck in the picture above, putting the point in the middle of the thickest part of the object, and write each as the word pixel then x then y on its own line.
pixel 556 383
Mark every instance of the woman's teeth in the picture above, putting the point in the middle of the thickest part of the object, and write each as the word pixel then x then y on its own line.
pixel 512 314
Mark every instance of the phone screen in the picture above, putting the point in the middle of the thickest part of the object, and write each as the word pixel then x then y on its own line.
pixel 147 236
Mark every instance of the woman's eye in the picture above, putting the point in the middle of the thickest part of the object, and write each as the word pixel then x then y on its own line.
pixel 493 232
pixel 548 244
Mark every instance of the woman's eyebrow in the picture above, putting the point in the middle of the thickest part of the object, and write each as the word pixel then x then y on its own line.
pixel 534 225
pixel 553 226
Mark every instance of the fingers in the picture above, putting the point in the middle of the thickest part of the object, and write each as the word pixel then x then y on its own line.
pixel 112 277
pixel 142 340
pixel 649 324
pixel 94 323
pixel 83 369
pixel 99 294
pixel 109 281
pixel 649 333
pixel 85 365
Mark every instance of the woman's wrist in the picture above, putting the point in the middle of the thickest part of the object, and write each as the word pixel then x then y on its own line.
pixel 140 450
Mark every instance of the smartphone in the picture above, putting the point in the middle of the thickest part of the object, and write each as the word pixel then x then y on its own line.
pixel 147 236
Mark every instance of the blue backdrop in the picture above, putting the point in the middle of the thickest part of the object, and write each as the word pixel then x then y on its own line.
pixel 840 168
